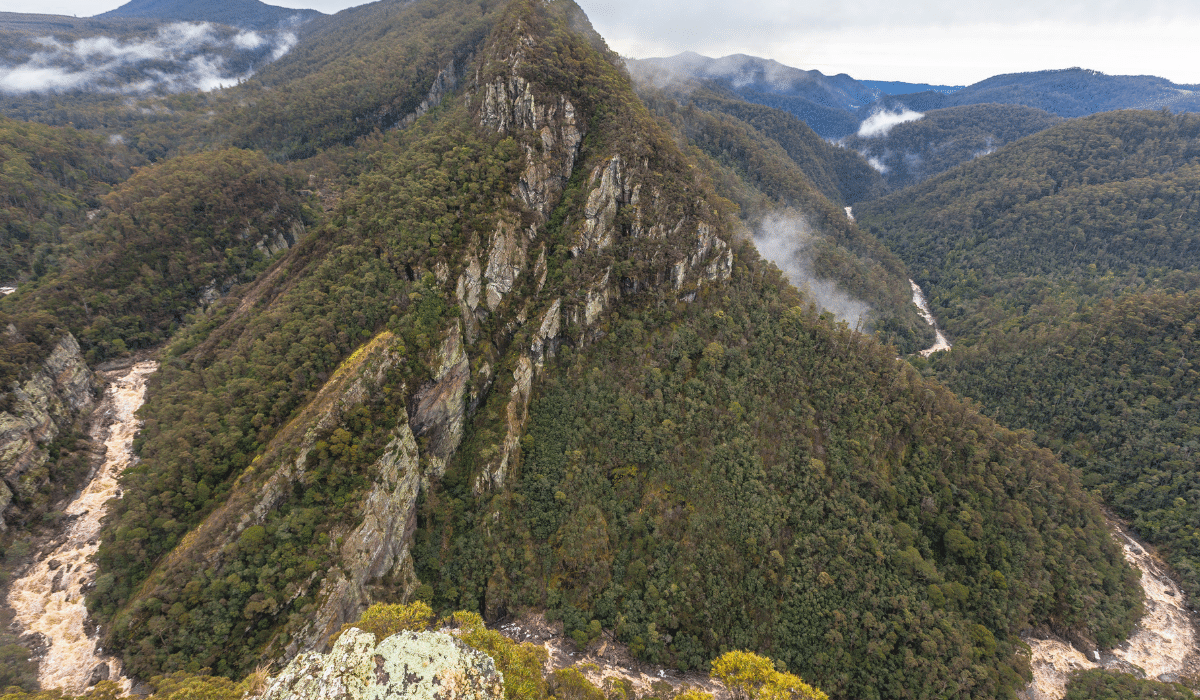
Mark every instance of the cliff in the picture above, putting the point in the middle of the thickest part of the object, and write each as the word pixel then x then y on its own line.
pixel 58 392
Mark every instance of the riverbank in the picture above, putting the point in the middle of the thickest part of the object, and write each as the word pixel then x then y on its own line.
pixel 49 599
pixel 1162 647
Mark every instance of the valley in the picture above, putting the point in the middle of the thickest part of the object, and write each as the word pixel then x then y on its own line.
pixel 603 373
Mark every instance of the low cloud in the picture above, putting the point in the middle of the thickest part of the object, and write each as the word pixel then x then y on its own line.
pixel 880 123
pixel 682 71
pixel 180 56
pixel 786 240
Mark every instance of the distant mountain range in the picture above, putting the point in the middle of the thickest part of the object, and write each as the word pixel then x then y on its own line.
pixel 893 87
pixel 1071 92
pixel 828 104
pixel 835 106
pixel 250 14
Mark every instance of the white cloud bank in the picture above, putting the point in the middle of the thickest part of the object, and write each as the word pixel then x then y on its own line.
pixel 880 123
pixel 181 56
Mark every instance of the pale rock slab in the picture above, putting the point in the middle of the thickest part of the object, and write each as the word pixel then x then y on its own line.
pixel 416 665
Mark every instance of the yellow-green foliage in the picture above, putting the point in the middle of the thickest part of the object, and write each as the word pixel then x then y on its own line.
pixel 570 684
pixel 187 686
pixel 521 664
pixel 693 694
pixel 177 686
pixel 752 677
pixel 384 620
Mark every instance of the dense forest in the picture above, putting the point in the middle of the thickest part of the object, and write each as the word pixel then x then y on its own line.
pixel 778 173
pixel 170 238
pixel 1066 266
pixel 450 316
pixel 52 178
pixel 743 474
pixel 943 138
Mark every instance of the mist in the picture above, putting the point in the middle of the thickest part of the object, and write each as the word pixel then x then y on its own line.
pixel 786 239
pixel 880 123
pixel 681 72
pixel 182 56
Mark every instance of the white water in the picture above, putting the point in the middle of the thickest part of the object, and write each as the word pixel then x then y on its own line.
pixel 940 343
pixel 7 290
pixel 1163 645
pixel 49 599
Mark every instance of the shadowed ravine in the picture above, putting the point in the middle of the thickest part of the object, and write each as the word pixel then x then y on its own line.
pixel 49 599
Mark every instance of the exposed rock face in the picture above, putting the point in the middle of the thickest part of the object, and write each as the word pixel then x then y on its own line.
pixel 444 84
pixel 417 665
pixel 515 415
pixel 377 546
pixel 441 406
pixel 611 190
pixel 278 241
pixel 506 259
pixel 55 396
pixel 545 340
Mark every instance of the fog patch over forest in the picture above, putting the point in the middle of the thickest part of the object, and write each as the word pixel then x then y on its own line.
pixel 180 56
pixel 787 239
pixel 880 123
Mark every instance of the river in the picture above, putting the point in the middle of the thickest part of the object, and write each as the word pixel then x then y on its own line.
pixel 49 599
pixel 940 343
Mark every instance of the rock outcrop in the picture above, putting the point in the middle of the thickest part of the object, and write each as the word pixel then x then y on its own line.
pixel 379 546
pixel 56 395
pixel 417 665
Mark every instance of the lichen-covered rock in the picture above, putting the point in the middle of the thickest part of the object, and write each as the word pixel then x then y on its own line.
pixel 417 665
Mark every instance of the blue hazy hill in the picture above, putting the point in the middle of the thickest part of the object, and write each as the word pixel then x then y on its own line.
pixel 239 13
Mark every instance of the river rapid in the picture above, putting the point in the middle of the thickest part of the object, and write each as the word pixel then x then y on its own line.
pixel 49 599
pixel 940 343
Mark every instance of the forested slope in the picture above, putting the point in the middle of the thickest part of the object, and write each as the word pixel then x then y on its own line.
pixel 842 175
pixel 1065 267
pixel 786 183
pixel 943 138
pixel 743 473
pixel 51 178
pixel 1100 204
pixel 171 238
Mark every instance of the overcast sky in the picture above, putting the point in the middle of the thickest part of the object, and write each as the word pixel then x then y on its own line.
pixel 932 41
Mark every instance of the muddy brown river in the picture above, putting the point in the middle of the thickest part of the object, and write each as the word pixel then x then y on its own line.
pixel 49 599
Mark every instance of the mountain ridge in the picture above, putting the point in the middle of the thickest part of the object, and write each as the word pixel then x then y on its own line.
pixel 253 14
pixel 520 352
